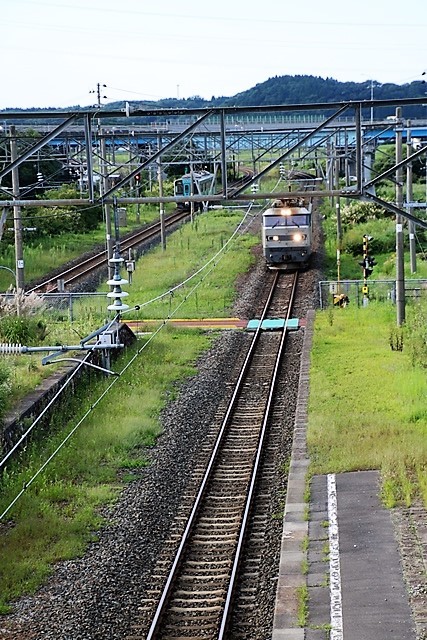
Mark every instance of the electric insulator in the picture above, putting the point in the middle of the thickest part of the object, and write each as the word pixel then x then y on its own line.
pixel 118 306
pixel 116 281
pixel 9 348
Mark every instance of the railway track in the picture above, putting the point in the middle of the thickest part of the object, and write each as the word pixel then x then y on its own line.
pixel 193 595
pixel 86 267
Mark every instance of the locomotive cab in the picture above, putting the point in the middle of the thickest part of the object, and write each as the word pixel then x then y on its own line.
pixel 286 234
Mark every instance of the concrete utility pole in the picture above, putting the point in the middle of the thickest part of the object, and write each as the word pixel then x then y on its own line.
pixel 107 207
pixel 162 206
pixel 409 199
pixel 400 273
pixel 17 222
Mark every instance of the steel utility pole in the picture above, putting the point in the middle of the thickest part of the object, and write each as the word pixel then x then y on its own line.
pixel 98 93
pixel 400 273
pixel 330 169
pixel 17 222
pixel 339 241
pixel 191 182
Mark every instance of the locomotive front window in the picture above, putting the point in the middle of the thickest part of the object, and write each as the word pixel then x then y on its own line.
pixel 300 220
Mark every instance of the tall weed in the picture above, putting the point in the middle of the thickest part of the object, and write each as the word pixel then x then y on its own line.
pixel 367 402
pixel 416 331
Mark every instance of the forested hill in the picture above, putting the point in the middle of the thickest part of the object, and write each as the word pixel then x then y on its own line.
pixel 282 90
pixel 309 89
pixel 302 90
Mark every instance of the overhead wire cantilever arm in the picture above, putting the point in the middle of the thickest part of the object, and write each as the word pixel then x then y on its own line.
pixel 298 144
pixel 39 145
pixel 87 364
pixel 156 155
pixel 397 166
pixel 396 210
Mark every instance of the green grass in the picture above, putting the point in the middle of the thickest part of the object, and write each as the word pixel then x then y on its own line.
pixel 383 232
pixel 367 402
pixel 187 250
pixel 367 409
pixel 26 371
pixel 57 515
pixel 303 599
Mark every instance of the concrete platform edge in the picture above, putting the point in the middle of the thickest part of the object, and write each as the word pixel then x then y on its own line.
pixel 295 529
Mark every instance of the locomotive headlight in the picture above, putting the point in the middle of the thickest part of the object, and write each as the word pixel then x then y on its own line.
pixel 275 238
pixel 298 237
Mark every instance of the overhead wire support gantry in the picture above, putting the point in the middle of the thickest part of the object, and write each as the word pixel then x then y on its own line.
pixel 200 122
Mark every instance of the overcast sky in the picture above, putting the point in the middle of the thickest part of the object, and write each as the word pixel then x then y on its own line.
pixel 55 52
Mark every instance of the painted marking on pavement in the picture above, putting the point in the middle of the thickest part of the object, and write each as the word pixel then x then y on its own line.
pixel 334 561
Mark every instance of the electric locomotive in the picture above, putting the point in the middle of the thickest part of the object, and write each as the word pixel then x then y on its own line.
pixel 287 233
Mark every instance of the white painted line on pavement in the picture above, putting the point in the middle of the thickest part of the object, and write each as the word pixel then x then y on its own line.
pixel 334 561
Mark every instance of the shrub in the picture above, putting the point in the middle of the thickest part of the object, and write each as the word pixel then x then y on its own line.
pixel 27 328
pixel 417 335
pixel 358 212
pixel 22 330
pixel 5 386
pixel 383 238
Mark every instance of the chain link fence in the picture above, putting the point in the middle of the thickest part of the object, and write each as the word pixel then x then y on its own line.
pixel 354 292
pixel 72 306
pixel 82 305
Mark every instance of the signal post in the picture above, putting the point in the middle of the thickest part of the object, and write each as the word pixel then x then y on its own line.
pixel 368 262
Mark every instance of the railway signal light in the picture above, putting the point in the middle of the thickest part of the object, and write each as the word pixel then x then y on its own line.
pixel 368 261
pixel 371 262
pixel 368 264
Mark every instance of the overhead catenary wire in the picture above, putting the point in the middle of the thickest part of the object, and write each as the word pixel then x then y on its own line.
pixel 212 262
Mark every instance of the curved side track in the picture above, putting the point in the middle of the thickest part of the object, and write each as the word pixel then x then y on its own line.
pixel 82 270
pixel 197 598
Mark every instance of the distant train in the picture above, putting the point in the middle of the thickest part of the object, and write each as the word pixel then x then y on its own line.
pixel 287 233
pixel 197 183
